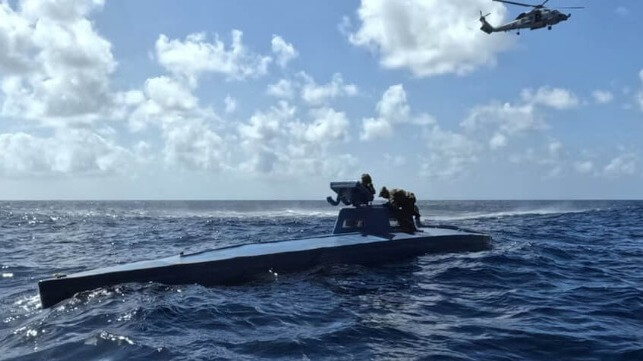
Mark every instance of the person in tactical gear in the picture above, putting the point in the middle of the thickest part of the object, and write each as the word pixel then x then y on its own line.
pixel 367 182
pixel 403 205
pixel 416 210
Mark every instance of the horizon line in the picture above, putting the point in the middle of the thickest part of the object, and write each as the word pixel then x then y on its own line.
pixel 311 200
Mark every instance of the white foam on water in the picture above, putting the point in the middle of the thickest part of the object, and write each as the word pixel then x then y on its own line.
pixel 510 213
pixel 280 213
pixel 28 303
pixel 118 339
pixel 187 213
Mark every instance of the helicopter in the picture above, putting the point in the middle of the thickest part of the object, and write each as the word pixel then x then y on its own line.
pixel 537 18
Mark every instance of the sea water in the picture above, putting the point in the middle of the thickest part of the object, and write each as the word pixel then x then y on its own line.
pixel 563 281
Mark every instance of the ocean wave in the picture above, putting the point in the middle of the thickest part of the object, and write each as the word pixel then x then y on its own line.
pixel 280 213
pixel 562 281
pixel 62 217
pixel 510 213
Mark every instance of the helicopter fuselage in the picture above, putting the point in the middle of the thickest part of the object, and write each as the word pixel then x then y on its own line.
pixel 535 19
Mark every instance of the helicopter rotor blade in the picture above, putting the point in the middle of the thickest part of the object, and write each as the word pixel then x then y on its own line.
pixel 516 3
pixel 544 2
pixel 482 17
pixel 569 7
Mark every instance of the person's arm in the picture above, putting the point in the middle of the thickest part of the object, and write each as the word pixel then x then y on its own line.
pixel 330 200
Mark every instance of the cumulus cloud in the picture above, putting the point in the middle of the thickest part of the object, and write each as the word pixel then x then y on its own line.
pixel 373 128
pixel 497 141
pixel 230 104
pixel 497 124
pixel 429 37
pixel 449 154
pixel 602 96
pixel 311 93
pixel 395 160
pixel 315 94
pixel 143 151
pixel 584 167
pixel 193 145
pixel 193 134
pixel 393 105
pixel 195 55
pixel 163 100
pixel 556 98
pixel 392 109
pixel 264 137
pixel 66 153
pixel 66 10
pixel 618 166
pixel 187 128
pixel 282 89
pixel 55 68
pixel 345 26
pixel 54 64
pixel 621 165
pixel 555 147
pixel 555 159
pixel 284 51
pixel 265 126
pixel 277 141
pixel 547 156
pixel 16 44
pixel 502 119
pixel 328 124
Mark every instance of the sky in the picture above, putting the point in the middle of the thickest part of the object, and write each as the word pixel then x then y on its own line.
pixel 160 99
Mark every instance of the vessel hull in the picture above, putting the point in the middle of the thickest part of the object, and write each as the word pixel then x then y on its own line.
pixel 243 263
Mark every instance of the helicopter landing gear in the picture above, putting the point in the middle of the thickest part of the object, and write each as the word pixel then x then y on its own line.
pixel 517 32
pixel 549 27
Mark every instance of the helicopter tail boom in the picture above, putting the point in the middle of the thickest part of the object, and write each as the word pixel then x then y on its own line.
pixel 486 27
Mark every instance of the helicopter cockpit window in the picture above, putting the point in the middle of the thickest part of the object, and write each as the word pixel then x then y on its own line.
pixel 393 222
pixel 520 16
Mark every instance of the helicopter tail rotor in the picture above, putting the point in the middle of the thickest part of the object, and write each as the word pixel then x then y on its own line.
pixel 486 27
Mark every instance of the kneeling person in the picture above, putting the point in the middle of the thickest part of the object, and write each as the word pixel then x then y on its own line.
pixel 403 204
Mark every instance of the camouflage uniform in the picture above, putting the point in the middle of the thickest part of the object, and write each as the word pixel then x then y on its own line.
pixel 403 204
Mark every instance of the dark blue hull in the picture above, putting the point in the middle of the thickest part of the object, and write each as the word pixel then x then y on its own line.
pixel 238 264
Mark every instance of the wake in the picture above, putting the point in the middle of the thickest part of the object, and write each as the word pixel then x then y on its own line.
pixel 511 213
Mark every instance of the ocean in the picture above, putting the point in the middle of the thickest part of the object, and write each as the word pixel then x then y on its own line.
pixel 563 281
